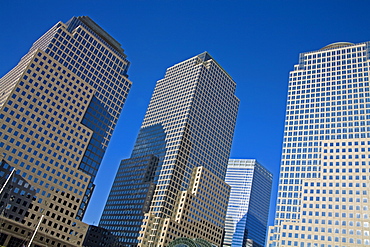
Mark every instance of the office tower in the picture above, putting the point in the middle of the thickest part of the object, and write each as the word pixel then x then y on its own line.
pixel 173 184
pixel 58 109
pixel 323 189
pixel 249 202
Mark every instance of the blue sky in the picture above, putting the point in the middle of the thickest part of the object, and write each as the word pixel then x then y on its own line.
pixel 256 42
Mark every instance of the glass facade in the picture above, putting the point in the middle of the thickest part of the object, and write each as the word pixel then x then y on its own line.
pixel 323 187
pixel 249 201
pixel 133 186
pixel 188 128
pixel 58 109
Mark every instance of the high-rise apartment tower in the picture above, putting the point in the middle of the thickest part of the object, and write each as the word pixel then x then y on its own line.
pixel 58 109
pixel 173 184
pixel 248 209
pixel 323 197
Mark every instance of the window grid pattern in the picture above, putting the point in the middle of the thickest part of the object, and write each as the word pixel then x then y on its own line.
pixel 324 173
pixel 58 109
pixel 248 208
pixel 196 108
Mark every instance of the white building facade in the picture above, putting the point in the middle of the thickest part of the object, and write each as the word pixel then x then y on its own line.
pixel 325 168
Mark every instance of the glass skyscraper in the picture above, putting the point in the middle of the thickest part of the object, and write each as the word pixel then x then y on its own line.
pixel 249 202
pixel 58 109
pixel 173 184
pixel 323 197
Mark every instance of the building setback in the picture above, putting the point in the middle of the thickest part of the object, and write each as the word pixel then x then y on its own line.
pixel 173 185
pixel 247 212
pixel 58 110
pixel 323 197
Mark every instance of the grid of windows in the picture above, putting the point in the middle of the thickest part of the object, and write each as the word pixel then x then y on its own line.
pixel 325 152
pixel 58 109
pixel 188 126
pixel 247 211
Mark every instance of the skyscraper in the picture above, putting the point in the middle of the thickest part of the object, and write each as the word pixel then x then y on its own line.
pixel 323 196
pixel 173 184
pixel 58 109
pixel 248 208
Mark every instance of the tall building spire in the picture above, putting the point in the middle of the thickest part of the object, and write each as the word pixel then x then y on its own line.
pixel 179 161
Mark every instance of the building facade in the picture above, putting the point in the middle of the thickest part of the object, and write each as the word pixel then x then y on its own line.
pixel 95 236
pixel 58 109
pixel 173 185
pixel 247 212
pixel 323 195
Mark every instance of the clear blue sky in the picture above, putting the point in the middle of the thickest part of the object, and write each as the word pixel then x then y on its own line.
pixel 256 42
